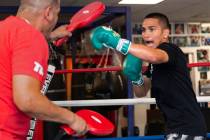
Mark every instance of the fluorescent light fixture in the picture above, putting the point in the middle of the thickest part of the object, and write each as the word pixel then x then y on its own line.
pixel 140 1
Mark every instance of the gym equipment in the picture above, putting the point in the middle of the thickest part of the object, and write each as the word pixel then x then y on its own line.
pixel 83 17
pixel 110 85
pixel 97 124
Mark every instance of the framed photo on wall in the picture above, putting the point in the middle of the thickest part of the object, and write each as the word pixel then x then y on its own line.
pixel 203 75
pixel 137 39
pixel 204 87
pixel 180 41
pixel 205 40
pixel 193 28
pixel 202 56
pixel 193 41
pixel 137 29
pixel 205 27
pixel 179 28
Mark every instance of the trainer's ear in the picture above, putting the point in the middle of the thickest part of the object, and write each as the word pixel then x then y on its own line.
pixel 48 13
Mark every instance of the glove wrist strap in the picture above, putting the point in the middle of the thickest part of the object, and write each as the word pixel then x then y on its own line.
pixel 123 46
pixel 139 82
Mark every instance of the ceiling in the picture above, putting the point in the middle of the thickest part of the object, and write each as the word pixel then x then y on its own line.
pixel 176 10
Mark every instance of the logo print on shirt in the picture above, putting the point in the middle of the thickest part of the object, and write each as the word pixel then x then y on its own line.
pixel 38 68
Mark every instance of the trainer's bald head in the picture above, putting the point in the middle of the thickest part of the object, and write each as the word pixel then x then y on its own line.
pixel 42 14
pixel 37 4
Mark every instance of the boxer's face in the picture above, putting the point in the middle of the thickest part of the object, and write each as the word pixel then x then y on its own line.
pixel 153 33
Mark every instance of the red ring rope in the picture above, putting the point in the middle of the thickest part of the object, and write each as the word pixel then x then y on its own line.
pixel 200 64
pixel 114 68
pixel 117 68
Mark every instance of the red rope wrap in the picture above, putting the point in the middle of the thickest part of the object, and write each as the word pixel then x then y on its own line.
pixel 117 68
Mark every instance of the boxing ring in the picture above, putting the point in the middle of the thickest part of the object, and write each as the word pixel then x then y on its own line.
pixel 161 137
pixel 111 102
pixel 129 101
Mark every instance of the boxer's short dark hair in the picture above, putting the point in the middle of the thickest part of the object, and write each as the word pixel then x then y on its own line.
pixel 161 17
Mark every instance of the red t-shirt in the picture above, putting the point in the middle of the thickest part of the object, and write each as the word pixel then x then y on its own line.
pixel 23 50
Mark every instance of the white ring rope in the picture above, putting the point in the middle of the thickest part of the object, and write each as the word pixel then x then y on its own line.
pixel 110 102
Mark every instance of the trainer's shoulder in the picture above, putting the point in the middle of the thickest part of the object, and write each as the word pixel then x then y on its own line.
pixel 10 21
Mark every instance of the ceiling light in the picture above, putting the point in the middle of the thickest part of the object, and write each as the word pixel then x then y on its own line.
pixel 140 1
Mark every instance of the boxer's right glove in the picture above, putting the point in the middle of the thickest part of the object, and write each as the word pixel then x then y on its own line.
pixel 132 68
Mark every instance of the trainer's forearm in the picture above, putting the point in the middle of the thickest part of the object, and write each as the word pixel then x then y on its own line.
pixel 44 109
pixel 28 99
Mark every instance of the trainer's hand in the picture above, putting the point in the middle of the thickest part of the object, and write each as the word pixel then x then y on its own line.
pixel 132 68
pixel 59 32
pixel 79 125
pixel 105 37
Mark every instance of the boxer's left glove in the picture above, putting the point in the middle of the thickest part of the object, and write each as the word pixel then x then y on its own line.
pixel 105 37
pixel 132 68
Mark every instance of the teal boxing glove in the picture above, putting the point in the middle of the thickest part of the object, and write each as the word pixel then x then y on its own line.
pixel 105 37
pixel 132 67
